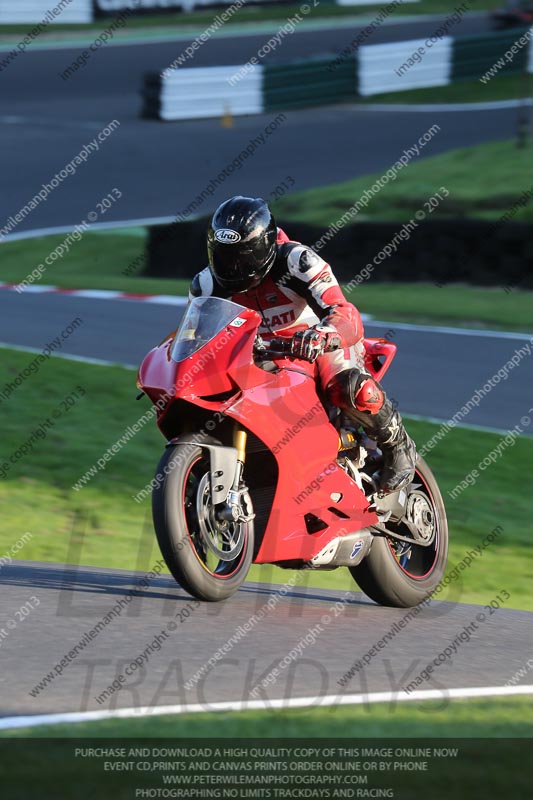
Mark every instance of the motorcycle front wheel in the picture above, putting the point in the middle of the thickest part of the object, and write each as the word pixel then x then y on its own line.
pixel 210 559
pixel 404 574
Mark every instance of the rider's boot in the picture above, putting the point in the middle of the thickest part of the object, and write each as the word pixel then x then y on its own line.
pixel 364 401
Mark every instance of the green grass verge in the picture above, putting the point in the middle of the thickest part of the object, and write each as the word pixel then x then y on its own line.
pixel 483 183
pixel 102 525
pixel 98 262
pixel 507 717
pixel 507 87
pixel 467 306
pixel 263 14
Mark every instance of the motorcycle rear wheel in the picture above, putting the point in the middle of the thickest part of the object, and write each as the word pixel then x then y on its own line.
pixel 400 575
pixel 209 559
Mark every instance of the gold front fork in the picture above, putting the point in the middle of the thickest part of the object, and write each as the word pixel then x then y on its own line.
pixel 239 442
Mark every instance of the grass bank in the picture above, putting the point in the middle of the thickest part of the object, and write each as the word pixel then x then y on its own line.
pixel 483 182
pixel 456 719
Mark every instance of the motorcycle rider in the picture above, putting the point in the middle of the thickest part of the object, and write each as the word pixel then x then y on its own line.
pixel 253 263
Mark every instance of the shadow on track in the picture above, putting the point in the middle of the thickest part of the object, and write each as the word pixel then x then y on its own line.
pixel 102 581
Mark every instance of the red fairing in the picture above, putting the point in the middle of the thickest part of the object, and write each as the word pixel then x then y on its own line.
pixel 208 372
pixel 283 410
pixel 378 356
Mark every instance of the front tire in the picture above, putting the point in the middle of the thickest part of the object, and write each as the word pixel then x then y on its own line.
pixel 209 559
pixel 401 575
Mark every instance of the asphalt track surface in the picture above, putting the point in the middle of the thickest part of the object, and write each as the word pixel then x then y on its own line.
pixel 73 600
pixel 161 167
pixel 433 375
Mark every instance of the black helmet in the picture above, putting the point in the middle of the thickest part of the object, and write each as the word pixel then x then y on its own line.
pixel 241 243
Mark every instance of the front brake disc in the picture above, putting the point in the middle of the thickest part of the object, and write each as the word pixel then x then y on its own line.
pixel 224 539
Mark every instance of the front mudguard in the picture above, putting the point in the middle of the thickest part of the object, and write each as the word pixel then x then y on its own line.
pixel 223 463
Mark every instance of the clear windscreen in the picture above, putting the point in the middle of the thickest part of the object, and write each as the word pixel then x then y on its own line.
pixel 204 318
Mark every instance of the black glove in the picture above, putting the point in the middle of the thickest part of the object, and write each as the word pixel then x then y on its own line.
pixel 314 342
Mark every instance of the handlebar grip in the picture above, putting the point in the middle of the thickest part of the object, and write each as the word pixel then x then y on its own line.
pixel 280 345
pixel 283 346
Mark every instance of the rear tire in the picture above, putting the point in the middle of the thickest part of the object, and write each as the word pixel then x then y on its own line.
pixel 183 519
pixel 405 581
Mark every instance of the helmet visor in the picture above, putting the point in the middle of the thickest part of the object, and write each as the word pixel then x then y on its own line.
pixel 238 266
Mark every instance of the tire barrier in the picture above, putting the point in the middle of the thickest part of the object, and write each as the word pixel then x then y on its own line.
pixel 200 92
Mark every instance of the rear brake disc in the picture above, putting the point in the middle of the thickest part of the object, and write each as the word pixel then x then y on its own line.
pixel 421 514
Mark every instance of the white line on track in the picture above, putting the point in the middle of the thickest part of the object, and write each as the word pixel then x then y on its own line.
pixel 99 362
pixel 495 105
pixel 406 326
pixel 164 300
pixel 93 294
pixel 13 119
pixel 102 226
pixel 38 289
pixel 9 723
pixel 468 427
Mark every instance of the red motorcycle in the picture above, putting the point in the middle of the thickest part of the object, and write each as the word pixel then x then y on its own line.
pixel 258 468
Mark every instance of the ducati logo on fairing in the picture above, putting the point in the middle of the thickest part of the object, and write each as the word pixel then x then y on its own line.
pixel 227 236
